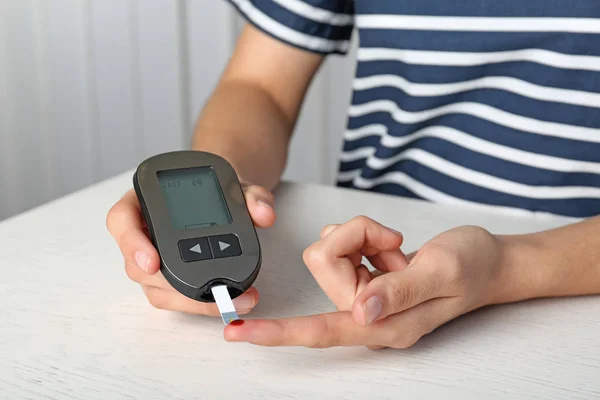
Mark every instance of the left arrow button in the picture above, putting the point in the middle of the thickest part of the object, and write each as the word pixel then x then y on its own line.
pixel 196 249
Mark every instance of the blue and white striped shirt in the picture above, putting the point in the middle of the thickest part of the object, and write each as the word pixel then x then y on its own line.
pixel 479 102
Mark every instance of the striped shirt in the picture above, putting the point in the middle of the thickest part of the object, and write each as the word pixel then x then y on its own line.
pixel 492 103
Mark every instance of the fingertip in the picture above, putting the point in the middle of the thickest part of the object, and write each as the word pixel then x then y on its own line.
pixel 263 215
pixel 392 239
pixel 154 264
pixel 261 204
pixel 142 260
pixel 237 331
pixel 255 293
pixel 257 331
pixel 248 300
pixel 147 259
pixel 358 313
pixel 396 232
pixel 368 306
pixel 231 335
pixel 393 260
pixel 398 238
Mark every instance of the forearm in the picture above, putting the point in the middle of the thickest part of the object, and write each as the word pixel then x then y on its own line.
pixel 559 262
pixel 244 125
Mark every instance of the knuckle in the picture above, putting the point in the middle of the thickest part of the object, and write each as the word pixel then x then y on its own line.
pixel 478 233
pixel 362 220
pixel 315 342
pixel 403 339
pixel 261 192
pixel 112 216
pixel 446 261
pixel 314 256
pixel 115 219
pixel 452 269
pixel 327 230
pixel 155 298
pixel 132 272
pixel 157 302
pixel 404 343
pixel 320 338
pixel 433 251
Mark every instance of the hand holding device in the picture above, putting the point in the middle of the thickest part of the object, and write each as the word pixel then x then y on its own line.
pixel 142 262
pixel 197 217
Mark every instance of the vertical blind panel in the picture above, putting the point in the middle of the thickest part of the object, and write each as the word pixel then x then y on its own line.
pixel 47 128
pixel 7 194
pixel 25 161
pixel 338 91
pixel 70 93
pixel 211 37
pixel 162 73
pixel 114 78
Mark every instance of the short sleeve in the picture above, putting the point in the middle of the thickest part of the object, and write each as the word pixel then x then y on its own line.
pixel 320 26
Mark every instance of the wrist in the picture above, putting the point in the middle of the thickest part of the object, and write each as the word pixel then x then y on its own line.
pixel 523 274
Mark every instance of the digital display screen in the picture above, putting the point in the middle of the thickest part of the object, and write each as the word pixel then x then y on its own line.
pixel 194 198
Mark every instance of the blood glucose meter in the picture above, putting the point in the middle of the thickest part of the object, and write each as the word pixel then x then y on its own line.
pixel 198 221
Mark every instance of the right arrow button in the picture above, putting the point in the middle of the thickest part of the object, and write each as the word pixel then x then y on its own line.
pixel 225 246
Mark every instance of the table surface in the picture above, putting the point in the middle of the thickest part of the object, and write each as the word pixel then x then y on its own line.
pixel 74 327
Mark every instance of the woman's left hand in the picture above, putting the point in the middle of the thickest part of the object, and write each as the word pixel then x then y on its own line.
pixel 405 298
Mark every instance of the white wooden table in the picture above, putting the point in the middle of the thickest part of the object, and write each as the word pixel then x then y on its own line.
pixel 74 327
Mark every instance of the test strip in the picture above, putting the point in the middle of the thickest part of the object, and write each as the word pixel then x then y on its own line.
pixel 224 303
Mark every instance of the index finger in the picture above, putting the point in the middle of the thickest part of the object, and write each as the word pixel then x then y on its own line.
pixel 316 331
pixel 361 234
pixel 384 261
pixel 333 260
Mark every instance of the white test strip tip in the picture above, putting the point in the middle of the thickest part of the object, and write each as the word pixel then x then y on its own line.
pixel 224 303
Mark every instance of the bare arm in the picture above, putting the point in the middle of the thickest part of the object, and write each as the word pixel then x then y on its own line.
pixel 559 262
pixel 251 115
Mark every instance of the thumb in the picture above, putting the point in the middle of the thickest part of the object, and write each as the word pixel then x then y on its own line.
pixel 261 205
pixel 395 292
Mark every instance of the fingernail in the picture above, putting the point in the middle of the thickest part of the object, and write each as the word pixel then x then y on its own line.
pixel 398 232
pixel 263 203
pixel 372 308
pixel 245 301
pixel 237 322
pixel 142 260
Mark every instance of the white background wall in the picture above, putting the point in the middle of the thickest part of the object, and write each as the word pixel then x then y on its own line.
pixel 88 88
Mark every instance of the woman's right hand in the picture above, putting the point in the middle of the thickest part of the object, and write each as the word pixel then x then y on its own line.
pixel 142 264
